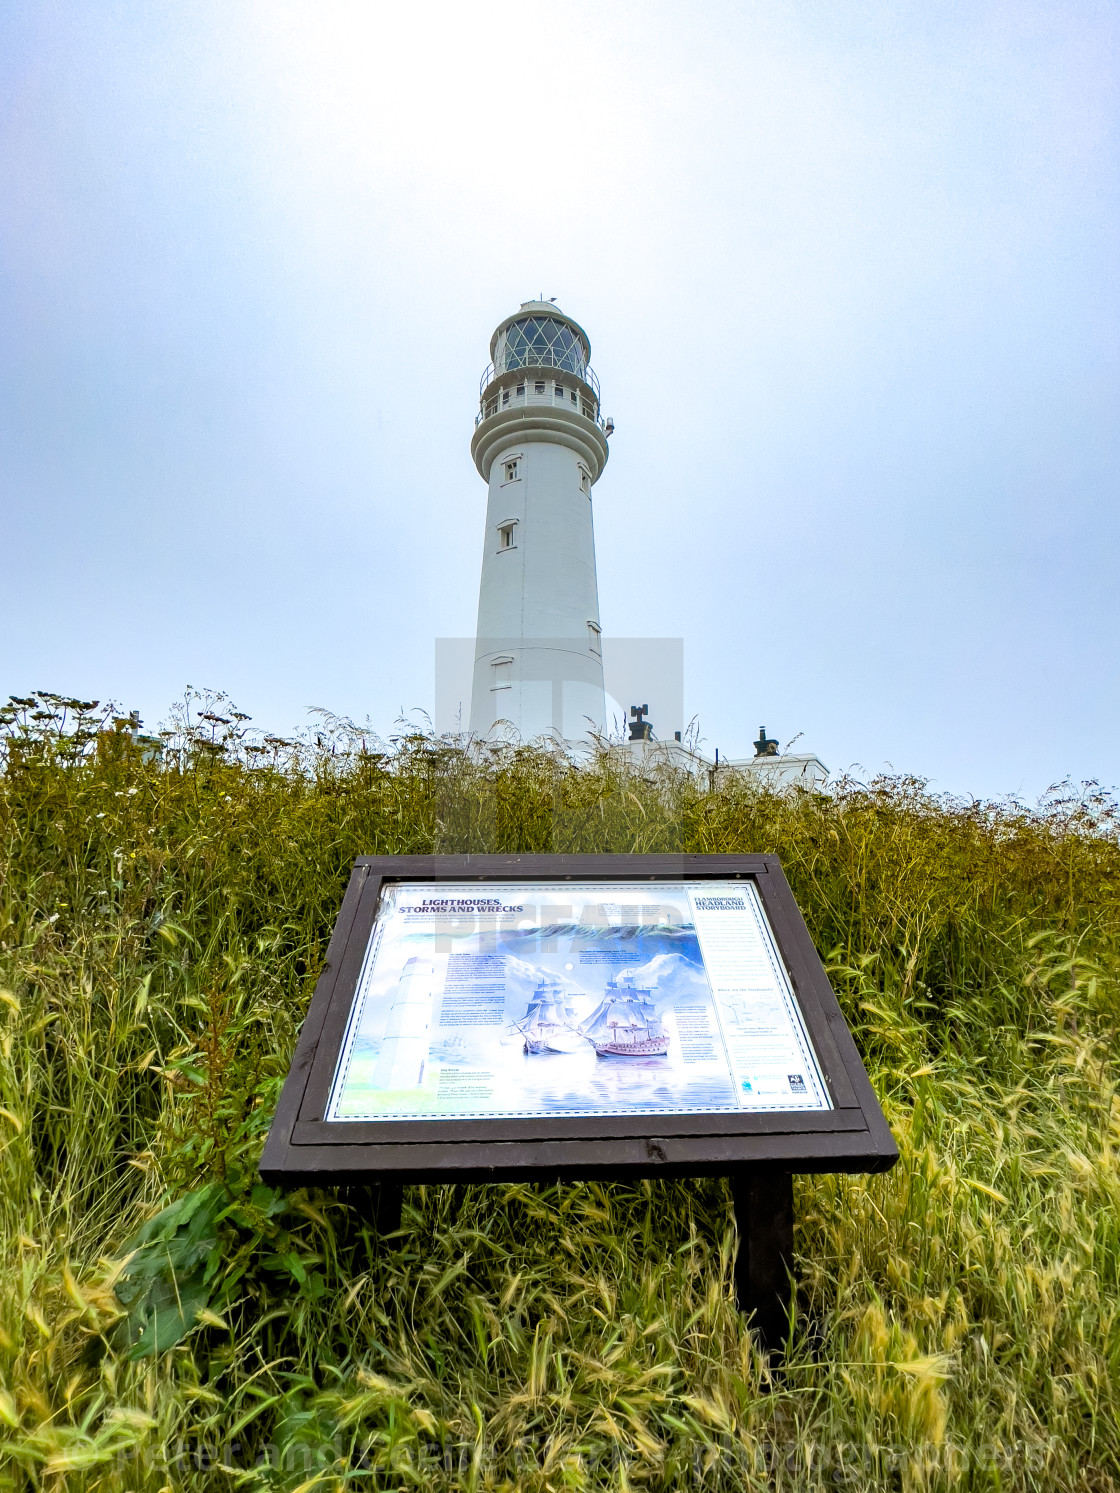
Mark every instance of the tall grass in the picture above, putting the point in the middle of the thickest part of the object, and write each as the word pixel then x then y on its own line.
pixel 163 917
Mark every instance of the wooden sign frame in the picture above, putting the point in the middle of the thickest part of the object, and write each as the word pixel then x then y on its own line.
pixel 757 1152
pixel 305 1149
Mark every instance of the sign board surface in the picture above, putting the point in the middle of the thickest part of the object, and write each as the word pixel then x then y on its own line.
pixel 590 999
pixel 501 1016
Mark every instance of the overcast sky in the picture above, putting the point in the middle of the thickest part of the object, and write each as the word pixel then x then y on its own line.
pixel 850 277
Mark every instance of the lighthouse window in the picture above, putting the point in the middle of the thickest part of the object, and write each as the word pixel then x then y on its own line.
pixel 575 397
pixel 505 535
pixel 559 389
pixel 501 671
pixel 505 396
pixel 521 391
pixel 538 387
pixel 543 341
pixel 513 469
pixel 584 480
pixel 589 408
pixel 594 633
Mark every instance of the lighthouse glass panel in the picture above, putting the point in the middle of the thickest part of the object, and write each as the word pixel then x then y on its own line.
pixel 573 998
pixel 540 342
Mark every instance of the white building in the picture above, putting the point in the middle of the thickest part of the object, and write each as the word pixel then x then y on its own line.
pixel 540 443
pixel 773 770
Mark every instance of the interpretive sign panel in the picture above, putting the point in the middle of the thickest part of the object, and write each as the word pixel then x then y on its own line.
pixel 500 1016
pixel 664 998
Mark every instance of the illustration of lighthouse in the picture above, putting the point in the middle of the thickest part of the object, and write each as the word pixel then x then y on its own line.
pixel 404 1051
pixel 540 443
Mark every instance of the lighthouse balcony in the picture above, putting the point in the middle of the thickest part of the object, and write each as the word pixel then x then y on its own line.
pixel 543 385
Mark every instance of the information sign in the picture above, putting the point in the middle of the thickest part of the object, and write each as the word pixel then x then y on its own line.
pixel 482 1018
pixel 503 1016
pixel 591 999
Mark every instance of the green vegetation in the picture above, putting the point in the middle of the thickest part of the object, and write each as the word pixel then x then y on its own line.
pixel 163 916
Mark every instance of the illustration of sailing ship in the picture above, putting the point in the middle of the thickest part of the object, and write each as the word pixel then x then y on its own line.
pixel 549 1025
pixel 624 1024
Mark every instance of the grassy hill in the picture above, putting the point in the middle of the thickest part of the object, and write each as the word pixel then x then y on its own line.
pixel 163 915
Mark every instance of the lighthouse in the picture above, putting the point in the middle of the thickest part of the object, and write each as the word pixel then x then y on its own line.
pixel 540 445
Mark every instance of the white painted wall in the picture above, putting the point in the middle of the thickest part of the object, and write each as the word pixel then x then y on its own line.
pixel 538 597
pixel 791 770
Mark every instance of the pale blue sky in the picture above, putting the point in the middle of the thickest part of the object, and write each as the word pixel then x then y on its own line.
pixel 850 276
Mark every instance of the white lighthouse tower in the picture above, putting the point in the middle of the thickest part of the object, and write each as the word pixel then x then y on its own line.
pixel 540 443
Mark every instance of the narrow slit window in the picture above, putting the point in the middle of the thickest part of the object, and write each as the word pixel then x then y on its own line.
pixel 513 469
pixel 594 634
pixel 585 480
pixel 501 673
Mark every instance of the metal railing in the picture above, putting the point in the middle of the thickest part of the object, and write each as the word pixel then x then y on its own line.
pixel 587 377
pixel 488 406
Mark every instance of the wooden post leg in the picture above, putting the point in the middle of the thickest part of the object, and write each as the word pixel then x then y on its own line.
pixel 763 1203
pixel 379 1203
pixel 387 1206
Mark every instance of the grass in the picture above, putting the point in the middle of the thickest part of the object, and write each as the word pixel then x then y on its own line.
pixel 168 1322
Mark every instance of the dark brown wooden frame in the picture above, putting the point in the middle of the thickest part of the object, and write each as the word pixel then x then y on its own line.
pixel 757 1152
pixel 303 1149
